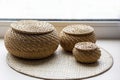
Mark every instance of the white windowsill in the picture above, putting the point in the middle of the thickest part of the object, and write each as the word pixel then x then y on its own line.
pixel 103 29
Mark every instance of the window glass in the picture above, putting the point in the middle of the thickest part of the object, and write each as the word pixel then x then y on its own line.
pixel 60 9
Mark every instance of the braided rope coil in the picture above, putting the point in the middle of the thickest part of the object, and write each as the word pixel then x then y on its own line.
pixel 68 41
pixel 31 46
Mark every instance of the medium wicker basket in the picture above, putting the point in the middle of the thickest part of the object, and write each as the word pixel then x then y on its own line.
pixel 73 34
pixel 31 39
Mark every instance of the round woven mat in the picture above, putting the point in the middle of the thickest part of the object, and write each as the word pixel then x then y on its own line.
pixel 61 65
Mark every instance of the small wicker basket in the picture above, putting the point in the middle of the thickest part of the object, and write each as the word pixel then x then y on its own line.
pixel 31 39
pixel 73 34
pixel 86 52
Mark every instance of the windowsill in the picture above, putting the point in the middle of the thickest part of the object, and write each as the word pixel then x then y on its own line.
pixel 103 29
pixel 112 46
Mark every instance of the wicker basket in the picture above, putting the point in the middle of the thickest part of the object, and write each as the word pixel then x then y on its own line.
pixel 86 52
pixel 73 34
pixel 31 39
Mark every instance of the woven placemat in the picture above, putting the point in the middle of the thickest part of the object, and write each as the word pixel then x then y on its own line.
pixel 61 65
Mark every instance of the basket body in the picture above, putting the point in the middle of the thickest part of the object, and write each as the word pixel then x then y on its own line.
pixel 87 56
pixel 31 46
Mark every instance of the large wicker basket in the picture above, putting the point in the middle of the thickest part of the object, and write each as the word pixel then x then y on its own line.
pixel 31 39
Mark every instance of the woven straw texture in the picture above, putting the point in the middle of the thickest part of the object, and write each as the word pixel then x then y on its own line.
pixel 86 52
pixel 62 65
pixel 86 56
pixel 73 34
pixel 31 46
pixel 85 46
pixel 31 39
pixel 32 26
pixel 68 41
pixel 78 29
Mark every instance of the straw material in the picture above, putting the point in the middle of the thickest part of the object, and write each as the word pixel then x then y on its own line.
pixel 62 65
pixel 78 29
pixel 86 46
pixel 73 34
pixel 68 41
pixel 32 26
pixel 86 52
pixel 31 46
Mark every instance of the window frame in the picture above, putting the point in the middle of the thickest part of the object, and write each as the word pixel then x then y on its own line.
pixel 104 28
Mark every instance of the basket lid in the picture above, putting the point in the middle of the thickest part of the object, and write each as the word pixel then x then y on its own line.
pixel 32 26
pixel 78 29
pixel 86 46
